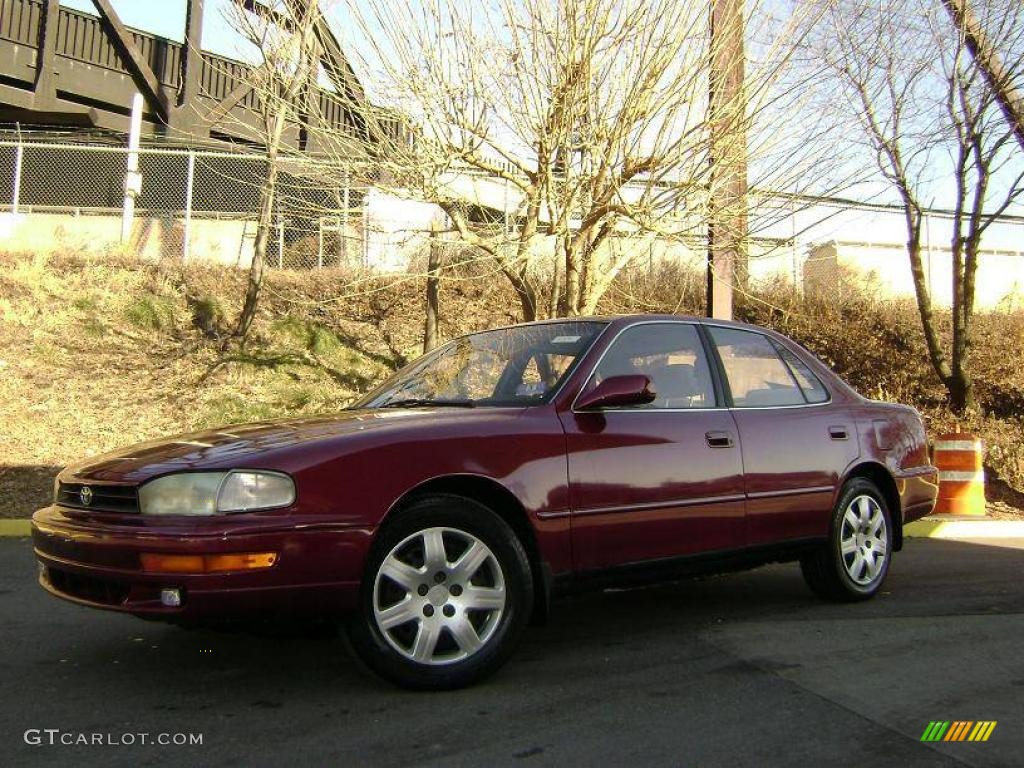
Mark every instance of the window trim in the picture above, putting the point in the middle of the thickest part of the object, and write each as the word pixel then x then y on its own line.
pixel 725 379
pixel 717 390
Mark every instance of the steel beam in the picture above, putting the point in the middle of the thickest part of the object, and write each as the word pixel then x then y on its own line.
pixel 265 12
pixel 220 110
pixel 336 64
pixel 45 87
pixel 137 66
pixel 191 58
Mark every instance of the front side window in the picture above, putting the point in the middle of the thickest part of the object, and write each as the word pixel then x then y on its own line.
pixel 523 365
pixel 671 356
pixel 755 373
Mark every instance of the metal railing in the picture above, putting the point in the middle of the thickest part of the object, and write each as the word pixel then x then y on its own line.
pixel 80 37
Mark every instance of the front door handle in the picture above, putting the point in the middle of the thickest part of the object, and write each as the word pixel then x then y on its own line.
pixel 718 439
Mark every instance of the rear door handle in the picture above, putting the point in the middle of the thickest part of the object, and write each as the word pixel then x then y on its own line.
pixel 838 433
pixel 718 439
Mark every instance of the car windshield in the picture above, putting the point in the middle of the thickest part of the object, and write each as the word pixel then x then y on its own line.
pixel 523 365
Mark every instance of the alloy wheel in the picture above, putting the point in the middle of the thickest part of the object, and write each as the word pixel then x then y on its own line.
pixel 438 596
pixel 863 540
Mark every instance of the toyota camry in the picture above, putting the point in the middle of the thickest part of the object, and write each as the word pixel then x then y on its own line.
pixel 440 514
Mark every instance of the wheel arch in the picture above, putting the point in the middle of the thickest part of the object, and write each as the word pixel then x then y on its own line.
pixel 883 480
pixel 500 500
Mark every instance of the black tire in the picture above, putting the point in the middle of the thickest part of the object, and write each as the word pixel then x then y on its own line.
pixel 387 655
pixel 827 570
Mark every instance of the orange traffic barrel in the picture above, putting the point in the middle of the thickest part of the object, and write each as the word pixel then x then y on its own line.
pixel 958 457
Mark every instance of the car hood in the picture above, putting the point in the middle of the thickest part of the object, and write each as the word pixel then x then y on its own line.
pixel 258 445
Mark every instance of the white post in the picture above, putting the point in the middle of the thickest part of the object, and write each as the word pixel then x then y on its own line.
pixel 19 154
pixel 189 180
pixel 132 179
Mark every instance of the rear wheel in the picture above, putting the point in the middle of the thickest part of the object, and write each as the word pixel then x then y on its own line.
pixel 446 595
pixel 855 561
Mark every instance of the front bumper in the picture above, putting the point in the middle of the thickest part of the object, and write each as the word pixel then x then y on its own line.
pixel 97 563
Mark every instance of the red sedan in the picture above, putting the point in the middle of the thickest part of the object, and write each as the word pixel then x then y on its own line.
pixel 440 514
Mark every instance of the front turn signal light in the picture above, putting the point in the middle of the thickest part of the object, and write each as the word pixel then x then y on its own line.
pixel 240 561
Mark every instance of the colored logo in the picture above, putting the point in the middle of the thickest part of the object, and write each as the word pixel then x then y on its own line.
pixel 959 730
pixel 85 495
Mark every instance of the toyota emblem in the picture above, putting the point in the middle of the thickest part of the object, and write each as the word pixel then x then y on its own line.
pixel 85 495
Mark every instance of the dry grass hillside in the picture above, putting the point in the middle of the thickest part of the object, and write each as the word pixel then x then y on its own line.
pixel 99 353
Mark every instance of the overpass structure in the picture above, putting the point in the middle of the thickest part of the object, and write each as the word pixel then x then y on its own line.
pixel 63 68
pixel 67 83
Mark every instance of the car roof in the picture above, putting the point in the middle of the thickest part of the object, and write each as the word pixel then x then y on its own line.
pixel 624 320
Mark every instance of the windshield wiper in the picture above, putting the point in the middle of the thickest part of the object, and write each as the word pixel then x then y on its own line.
pixel 422 401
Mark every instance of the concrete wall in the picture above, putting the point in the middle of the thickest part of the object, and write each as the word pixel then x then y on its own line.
pixel 397 230
pixel 223 241
pixel 885 270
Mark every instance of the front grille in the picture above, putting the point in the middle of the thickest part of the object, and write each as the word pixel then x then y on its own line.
pixel 104 498
pixel 88 588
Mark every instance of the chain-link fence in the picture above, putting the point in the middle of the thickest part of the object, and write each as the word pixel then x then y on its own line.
pixel 193 205
pixel 204 206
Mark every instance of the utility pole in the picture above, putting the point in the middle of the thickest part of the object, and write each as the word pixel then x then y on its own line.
pixel 727 202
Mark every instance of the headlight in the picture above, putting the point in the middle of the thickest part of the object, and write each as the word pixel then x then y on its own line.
pixel 209 493
pixel 243 491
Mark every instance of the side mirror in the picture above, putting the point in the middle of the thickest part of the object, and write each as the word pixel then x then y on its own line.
pixel 617 391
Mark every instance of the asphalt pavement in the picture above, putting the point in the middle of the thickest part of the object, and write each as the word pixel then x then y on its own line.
pixel 736 670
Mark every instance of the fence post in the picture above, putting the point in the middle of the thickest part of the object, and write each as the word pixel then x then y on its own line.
pixel 320 242
pixel 504 208
pixel 792 245
pixel 186 245
pixel 280 241
pixel 344 218
pixel 19 155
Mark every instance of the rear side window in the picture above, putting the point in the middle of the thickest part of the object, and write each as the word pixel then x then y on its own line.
pixel 811 385
pixel 756 375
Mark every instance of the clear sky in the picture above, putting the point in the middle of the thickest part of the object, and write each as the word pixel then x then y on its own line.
pixel 166 18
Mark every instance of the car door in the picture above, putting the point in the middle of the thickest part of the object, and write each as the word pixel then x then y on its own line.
pixel 657 480
pixel 795 442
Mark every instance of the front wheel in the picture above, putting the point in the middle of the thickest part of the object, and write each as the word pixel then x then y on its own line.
pixel 446 595
pixel 854 563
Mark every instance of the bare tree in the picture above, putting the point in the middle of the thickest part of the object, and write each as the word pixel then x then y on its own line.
pixel 559 136
pixel 932 122
pixel 433 290
pixel 1003 81
pixel 284 33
